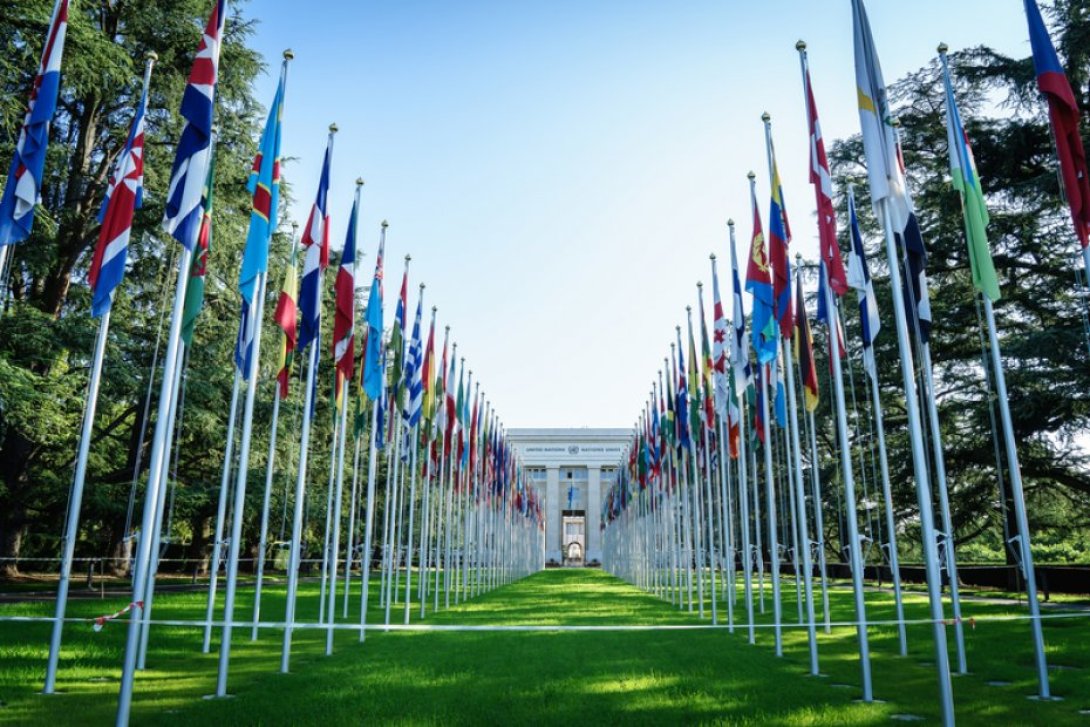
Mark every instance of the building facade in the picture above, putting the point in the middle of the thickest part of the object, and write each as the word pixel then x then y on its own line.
pixel 572 470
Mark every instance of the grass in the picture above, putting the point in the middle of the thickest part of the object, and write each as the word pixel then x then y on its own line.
pixel 651 677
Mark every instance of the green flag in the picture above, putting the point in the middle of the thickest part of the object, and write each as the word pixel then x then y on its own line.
pixel 194 290
pixel 967 182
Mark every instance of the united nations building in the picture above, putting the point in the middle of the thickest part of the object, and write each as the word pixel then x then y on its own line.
pixel 572 469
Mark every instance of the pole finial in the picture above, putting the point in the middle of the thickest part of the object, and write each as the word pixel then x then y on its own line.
pixel 730 223
pixel 333 128
pixel 408 258
pixel 289 54
pixel 712 256
pixel 151 56
pixel 751 176
pixel 800 46
pixel 421 287
pixel 943 48
pixel 385 224
pixel 766 117
pixel 359 181
pixel 434 309
pixel 700 285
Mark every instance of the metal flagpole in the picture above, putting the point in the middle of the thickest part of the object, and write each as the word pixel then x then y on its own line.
pixel 800 496
pixel 156 535
pixel 221 514
pixel 819 522
pixel 770 507
pixel 328 516
pixel 354 504
pixel 75 500
pixel 149 522
pixel 1015 473
pixel 369 524
pixel 297 509
pixel 270 471
pixel 919 461
pixel 743 504
pixel 335 540
pixel 412 499
pixel 887 495
pixel 240 487
pixel 854 544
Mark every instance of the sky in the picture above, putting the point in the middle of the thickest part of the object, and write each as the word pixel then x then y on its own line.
pixel 560 170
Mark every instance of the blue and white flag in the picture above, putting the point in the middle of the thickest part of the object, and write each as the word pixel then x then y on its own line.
pixel 183 207
pixel 24 186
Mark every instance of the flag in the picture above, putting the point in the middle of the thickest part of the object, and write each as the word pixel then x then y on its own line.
pixel 759 285
pixel 707 402
pixel 739 350
pixel 183 204
pixel 967 182
pixel 779 234
pixel 397 338
pixel 379 433
pixel 315 243
pixel 124 195
pixel 824 317
pixel 285 317
pixel 344 312
pixel 413 384
pixel 24 186
pixel 264 188
pixel 244 341
pixel 427 376
pixel 719 346
pixel 374 369
pixel 859 277
pixel 682 399
pixel 695 416
pixel 1064 114
pixel 780 400
pixel 885 169
pixel 198 270
pixel 804 351
pixel 823 190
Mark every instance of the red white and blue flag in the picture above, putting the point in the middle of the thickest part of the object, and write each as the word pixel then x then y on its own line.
pixel 344 313
pixel 24 185
pixel 315 243
pixel 124 195
pixel 183 207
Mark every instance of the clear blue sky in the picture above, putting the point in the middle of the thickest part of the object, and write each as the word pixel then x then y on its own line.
pixel 561 169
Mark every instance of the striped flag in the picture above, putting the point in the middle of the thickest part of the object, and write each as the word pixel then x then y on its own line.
pixel 823 190
pixel 859 278
pixel 374 364
pixel 804 350
pixel 264 188
pixel 1064 115
pixel 24 186
pixel 779 234
pixel 719 346
pixel 707 402
pixel 427 377
pixel 344 313
pixel 967 182
pixel 183 206
pixel 198 270
pixel 397 338
pixel 759 284
pixel 315 243
pixel 413 384
pixel 885 169
pixel 124 195
pixel 285 317
pixel 681 399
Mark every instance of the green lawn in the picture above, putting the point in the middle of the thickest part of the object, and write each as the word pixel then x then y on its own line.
pixel 587 677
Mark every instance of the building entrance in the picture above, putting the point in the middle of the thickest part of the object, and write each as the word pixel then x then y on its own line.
pixel 574 537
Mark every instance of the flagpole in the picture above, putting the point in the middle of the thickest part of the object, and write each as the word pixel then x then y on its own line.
pixel 800 497
pixel 240 485
pixel 770 508
pixel 335 540
pixel 149 522
pixel 75 500
pixel 919 460
pixel 412 498
pixel 350 546
pixel 221 513
pixel 270 471
pixel 372 469
pixel 297 507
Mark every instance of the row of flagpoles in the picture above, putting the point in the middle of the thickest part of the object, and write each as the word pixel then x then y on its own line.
pixel 466 515
pixel 687 508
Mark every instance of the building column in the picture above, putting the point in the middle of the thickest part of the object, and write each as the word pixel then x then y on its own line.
pixel 552 515
pixel 593 511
